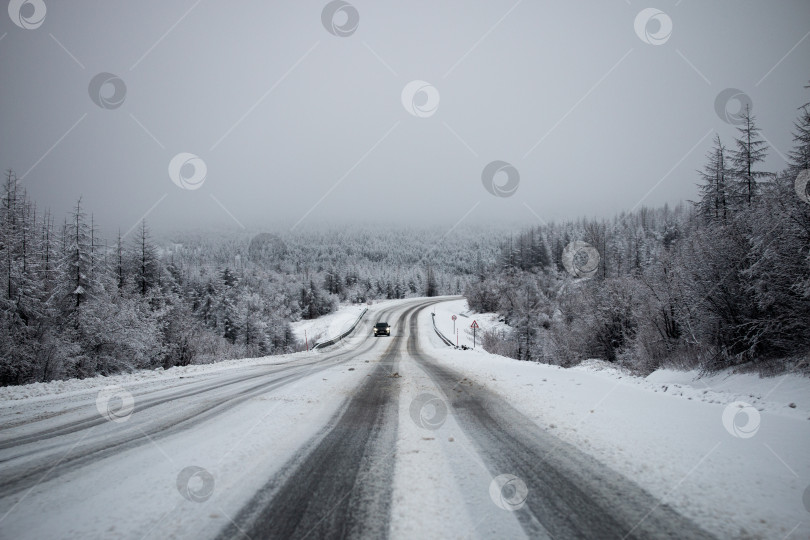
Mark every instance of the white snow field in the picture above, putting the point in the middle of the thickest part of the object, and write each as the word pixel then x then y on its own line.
pixel 371 438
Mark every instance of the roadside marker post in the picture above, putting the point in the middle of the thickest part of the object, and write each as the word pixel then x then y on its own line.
pixel 474 326
pixel 454 323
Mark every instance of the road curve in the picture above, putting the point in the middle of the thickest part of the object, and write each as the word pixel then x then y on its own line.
pixel 49 447
pixel 340 484
pixel 571 494
pixel 336 478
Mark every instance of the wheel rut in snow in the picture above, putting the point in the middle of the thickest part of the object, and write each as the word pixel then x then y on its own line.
pixel 570 494
pixel 340 485
pixel 45 463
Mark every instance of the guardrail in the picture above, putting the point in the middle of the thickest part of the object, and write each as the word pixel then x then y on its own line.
pixel 341 336
pixel 438 332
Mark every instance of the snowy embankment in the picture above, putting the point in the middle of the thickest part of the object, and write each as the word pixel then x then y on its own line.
pixel 328 326
pixel 138 379
pixel 729 450
pixel 322 327
pixel 460 331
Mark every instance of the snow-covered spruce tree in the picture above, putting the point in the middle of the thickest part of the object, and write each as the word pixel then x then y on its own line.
pixel 120 271
pixel 332 282
pixel 750 150
pixel 75 277
pixel 431 284
pixel 226 310
pixel 144 263
pixel 799 155
pixel 205 301
pixel 714 191
pixel 251 311
pixel 779 274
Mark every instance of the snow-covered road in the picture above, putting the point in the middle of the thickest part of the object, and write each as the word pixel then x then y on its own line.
pixel 373 437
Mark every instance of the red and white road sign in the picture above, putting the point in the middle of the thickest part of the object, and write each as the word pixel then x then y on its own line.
pixel 474 325
pixel 454 317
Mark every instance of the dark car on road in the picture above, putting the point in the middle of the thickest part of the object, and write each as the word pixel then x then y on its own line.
pixel 382 329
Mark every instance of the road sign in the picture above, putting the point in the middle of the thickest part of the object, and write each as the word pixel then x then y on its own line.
pixel 454 323
pixel 474 325
pixel 454 317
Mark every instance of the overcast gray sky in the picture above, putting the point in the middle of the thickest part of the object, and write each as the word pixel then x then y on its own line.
pixel 299 117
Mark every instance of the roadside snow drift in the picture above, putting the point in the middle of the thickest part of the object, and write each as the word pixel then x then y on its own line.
pixel 729 451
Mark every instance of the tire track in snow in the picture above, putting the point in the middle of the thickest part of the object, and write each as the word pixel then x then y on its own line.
pixel 571 495
pixel 340 485
pixel 45 463
pixel 140 405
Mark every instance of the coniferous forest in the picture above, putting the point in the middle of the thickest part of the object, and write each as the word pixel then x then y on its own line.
pixel 716 282
pixel 76 303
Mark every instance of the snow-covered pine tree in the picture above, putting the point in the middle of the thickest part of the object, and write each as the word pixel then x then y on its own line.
pixel 714 191
pixel 74 283
pixel 750 150
pixel 145 266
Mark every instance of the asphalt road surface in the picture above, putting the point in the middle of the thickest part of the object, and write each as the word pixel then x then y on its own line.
pixel 337 481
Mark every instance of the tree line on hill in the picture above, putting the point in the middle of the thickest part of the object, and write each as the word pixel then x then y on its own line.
pixel 74 304
pixel 720 282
